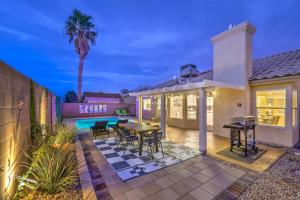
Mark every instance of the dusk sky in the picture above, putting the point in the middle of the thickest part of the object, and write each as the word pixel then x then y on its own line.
pixel 140 42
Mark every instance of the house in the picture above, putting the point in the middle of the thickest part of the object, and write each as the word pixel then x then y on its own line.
pixel 237 85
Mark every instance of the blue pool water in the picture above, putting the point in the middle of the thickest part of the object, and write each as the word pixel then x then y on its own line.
pixel 87 123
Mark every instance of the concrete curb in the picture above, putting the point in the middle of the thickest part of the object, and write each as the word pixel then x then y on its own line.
pixel 84 175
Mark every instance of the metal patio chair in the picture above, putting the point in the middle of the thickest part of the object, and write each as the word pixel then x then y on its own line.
pixel 128 139
pixel 152 140
pixel 100 128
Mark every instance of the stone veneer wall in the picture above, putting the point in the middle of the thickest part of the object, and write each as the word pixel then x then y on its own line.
pixel 15 124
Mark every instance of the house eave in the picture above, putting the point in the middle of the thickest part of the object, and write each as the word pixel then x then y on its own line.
pixel 188 86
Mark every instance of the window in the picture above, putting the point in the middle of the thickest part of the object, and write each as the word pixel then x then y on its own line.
pixel 147 104
pixel 294 108
pixel 158 103
pixel 176 107
pixel 210 110
pixel 270 107
pixel 191 106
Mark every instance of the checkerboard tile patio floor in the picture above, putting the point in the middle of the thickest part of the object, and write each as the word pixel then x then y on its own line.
pixel 127 163
pixel 201 177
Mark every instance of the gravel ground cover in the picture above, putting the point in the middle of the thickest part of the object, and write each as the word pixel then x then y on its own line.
pixel 280 181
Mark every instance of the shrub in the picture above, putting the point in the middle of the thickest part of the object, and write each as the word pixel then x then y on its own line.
pixel 71 97
pixel 53 165
pixel 40 134
pixel 52 170
pixel 64 133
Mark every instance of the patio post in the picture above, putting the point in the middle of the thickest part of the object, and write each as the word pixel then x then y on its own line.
pixel 163 114
pixel 202 122
pixel 140 101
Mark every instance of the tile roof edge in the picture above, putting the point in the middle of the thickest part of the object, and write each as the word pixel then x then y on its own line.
pixel 277 54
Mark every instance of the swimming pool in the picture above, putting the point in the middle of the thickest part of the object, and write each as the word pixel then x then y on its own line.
pixel 87 123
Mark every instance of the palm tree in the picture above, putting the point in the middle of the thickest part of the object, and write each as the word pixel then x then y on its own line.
pixel 82 32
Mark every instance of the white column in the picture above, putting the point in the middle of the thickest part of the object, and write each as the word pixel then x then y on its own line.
pixel 163 114
pixel 202 122
pixel 289 109
pixel 140 99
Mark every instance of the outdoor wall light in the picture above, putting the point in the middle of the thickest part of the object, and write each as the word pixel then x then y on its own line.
pixel 214 93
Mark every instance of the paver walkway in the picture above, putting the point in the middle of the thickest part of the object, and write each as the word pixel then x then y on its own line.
pixel 201 177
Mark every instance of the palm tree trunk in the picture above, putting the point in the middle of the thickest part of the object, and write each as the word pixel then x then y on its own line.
pixel 80 71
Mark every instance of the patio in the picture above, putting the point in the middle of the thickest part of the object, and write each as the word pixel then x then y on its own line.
pixel 210 176
pixel 215 144
pixel 201 177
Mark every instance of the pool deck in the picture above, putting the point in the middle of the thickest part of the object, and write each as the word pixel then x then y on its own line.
pixel 217 143
pixel 210 177
pixel 202 177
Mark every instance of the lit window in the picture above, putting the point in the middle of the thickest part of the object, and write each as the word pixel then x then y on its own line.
pixel 147 104
pixel 176 107
pixel 294 107
pixel 158 103
pixel 191 106
pixel 270 107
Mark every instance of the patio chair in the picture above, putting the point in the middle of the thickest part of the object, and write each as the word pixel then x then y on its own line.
pixel 153 140
pixel 119 113
pixel 128 139
pixel 124 112
pixel 118 138
pixel 100 128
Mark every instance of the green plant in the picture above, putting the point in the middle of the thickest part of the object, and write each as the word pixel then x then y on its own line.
pixel 83 33
pixel 32 110
pixel 40 134
pixel 71 97
pixel 53 166
pixel 64 133
pixel 52 170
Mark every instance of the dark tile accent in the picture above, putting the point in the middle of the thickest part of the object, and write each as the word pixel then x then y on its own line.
pixel 99 185
pixel 120 165
pixel 146 158
pixel 105 148
pixel 238 187
pixel 101 142
pixel 118 149
pixel 111 155
pixel 129 156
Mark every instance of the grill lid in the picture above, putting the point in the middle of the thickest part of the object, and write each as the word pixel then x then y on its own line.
pixel 246 120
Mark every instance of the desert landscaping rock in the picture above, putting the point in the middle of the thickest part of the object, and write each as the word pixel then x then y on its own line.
pixel 278 182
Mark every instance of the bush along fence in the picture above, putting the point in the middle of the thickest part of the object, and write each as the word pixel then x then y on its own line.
pixel 24 106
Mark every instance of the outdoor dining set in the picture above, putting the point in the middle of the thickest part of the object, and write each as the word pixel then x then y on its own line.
pixel 131 134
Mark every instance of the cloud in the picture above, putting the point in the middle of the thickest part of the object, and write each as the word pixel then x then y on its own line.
pixel 62 81
pixel 20 34
pixel 134 43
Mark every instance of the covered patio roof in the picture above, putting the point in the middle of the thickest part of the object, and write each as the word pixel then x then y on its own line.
pixel 188 86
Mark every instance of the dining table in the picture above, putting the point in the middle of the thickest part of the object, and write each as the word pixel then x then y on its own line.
pixel 140 129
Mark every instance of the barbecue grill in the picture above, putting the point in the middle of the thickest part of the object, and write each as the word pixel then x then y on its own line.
pixel 247 126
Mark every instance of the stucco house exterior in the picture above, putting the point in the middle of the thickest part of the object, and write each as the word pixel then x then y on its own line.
pixel 237 85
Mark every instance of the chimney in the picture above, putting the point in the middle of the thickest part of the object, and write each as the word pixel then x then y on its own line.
pixel 232 54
